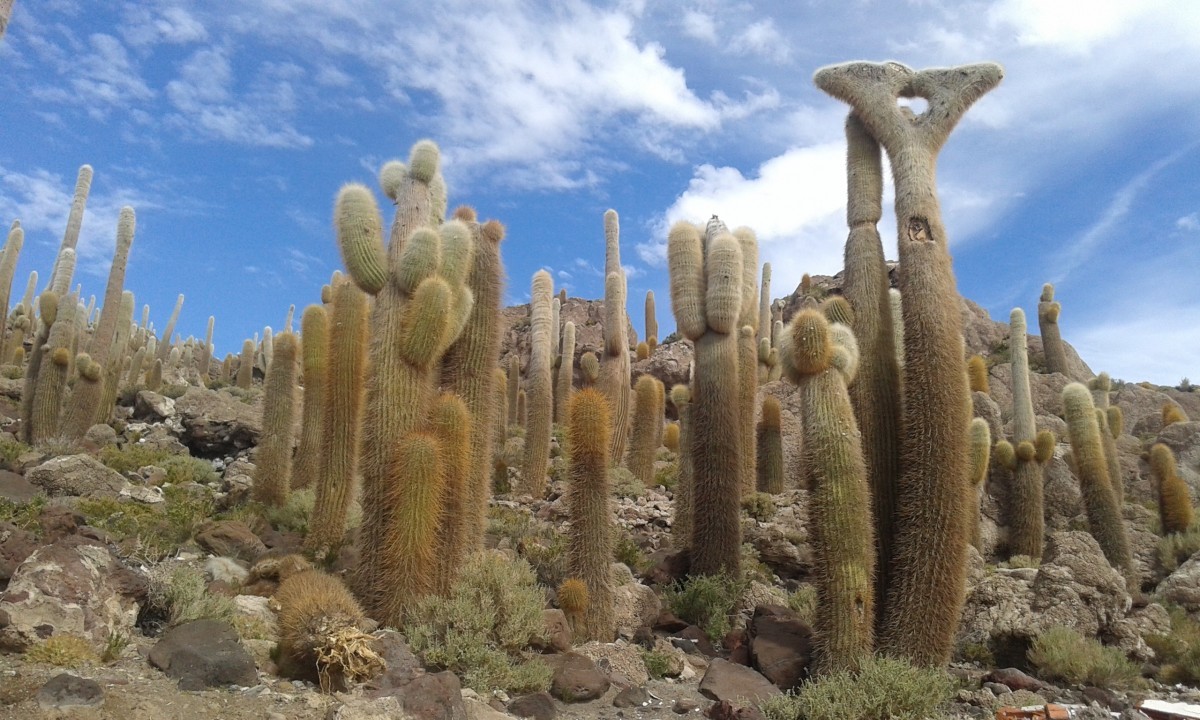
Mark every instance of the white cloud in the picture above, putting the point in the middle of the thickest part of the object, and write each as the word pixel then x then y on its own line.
pixel 1189 223
pixel 203 96
pixel 761 38
pixel 100 78
pixel 699 25
pixel 146 26
pixel 1121 344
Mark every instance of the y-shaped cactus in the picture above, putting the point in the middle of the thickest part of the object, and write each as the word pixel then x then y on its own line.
pixel 821 359
pixel 927 588
pixel 706 297
pixel 1052 344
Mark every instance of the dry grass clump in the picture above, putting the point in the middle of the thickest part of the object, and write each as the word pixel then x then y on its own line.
pixel 1062 654
pixel 882 688
pixel 67 651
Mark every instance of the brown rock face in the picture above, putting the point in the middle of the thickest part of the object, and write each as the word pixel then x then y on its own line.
pixel 781 645
pixel 216 423
pixel 736 683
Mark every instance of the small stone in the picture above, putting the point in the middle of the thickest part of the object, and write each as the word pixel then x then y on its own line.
pixel 632 697
pixel 683 706
pixel 576 678
pixel 66 690
pixel 539 706
pixel 996 688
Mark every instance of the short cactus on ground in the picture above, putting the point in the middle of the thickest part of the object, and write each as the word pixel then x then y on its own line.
pixel 573 599
pixel 1174 499
pixel 651 322
pixel 1172 413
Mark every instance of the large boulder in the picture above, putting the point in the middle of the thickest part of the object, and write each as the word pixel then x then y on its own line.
pixel 635 606
pixel 1182 587
pixel 215 423
pixel 79 475
pixel 725 680
pixel 1074 587
pixel 74 586
pixel 203 654
pixel 781 645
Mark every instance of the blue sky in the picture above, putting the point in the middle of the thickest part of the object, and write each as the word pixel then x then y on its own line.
pixel 230 127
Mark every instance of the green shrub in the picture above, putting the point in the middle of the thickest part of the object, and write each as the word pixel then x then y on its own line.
pixel 803 602
pixel 10 450
pixel 667 475
pixel 760 506
pixel 181 594
pixel 1178 653
pixel 174 391
pixel 294 514
pixel 622 483
pixel 12 372
pixel 657 662
pixel 625 550
pixel 1063 654
pixel 481 631
pixel 24 515
pixel 114 647
pixel 160 530
pixel 884 688
pixel 1175 549
pixel 132 456
pixel 706 601
pixel 1021 561
pixel 62 651
pixel 184 469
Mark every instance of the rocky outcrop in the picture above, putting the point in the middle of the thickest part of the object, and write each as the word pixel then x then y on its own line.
pixel 77 475
pixel 1182 587
pixel 73 586
pixel 215 423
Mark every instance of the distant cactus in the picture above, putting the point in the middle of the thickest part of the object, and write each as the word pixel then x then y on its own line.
pixel 1104 515
pixel 154 376
pixel 1101 387
pixel 1052 344
pixel 706 296
pixel 591 535
pixel 1116 421
pixel 614 365
pixel 52 376
pixel 651 322
pixel 539 399
pixel 273 461
pixel 748 357
pixel 671 437
pixel 514 387
pixel 770 448
pixel 118 358
pixel 245 373
pixel 566 372
pixel 164 345
pixel 843 541
pixel 8 263
pixel 83 185
pixel 500 420
pixel 1172 413
pixel 764 307
pixel 522 410
pixel 589 367
pixel 206 351
pixel 875 394
pixel 643 351
pixel 314 346
pixel 1025 511
pixel 981 445
pixel 646 416
pixel 1174 500
pixel 1115 474
pixel 977 373
pixel 927 586
pixel 341 405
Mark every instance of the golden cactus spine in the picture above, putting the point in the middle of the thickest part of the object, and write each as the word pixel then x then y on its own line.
pixel 681 523
pixel 875 394
pixel 342 408
pixel 1174 499
pixel 706 297
pixel 589 369
pixel 843 540
pixel 640 459
pixel 467 367
pixel 500 419
pixel 86 399
pixel 614 365
pixel 671 437
pixel 314 347
pixel 1104 515
pixel 770 447
pixel 928 587
pixel 410 567
pixel 539 399
pixel 590 550
pixel 460 525
pixel 1052 344
pixel 273 459
pixel 1109 441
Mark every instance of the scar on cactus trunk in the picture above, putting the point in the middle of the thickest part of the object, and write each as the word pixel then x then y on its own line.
pixel 928 586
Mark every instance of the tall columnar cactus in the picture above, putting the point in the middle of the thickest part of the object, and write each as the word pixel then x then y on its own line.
pixel 589 369
pixel 981 448
pixel 748 357
pixel 651 322
pixel 539 399
pixel 1104 515
pixel 8 266
pixel 706 297
pixel 614 366
pixel 164 345
pixel 459 524
pixel 206 351
pixel 266 349
pixel 421 305
pixel 822 360
pixel 1174 500
pixel 681 524
pixel 467 368
pixel 875 394
pixel 646 416
pixel 514 386
pixel 64 270
pixel 977 373
pixel 591 535
pixel 1109 441
pixel 273 461
pixel 118 357
pixel 1101 386
pixel 342 408
pixel 6 7
pixel 1025 511
pixel 245 373
pixel 46 409
pixel 770 447
pixel 764 306
pixel 500 420
pixel 927 588
pixel 83 185
pixel 86 399
pixel 566 372
pixel 1116 421
pixel 314 347
pixel 522 415
pixel 1052 344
